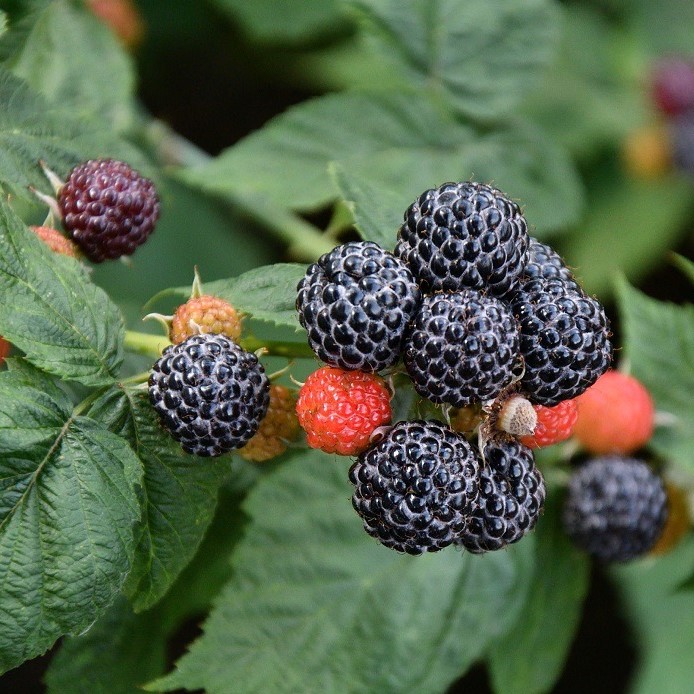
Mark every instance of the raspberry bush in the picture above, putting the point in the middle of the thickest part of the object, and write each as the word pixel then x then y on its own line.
pixel 445 219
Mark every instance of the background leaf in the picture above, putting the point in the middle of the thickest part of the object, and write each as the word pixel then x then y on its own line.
pixel 530 657
pixel 266 20
pixel 50 309
pixel 314 602
pixel 179 494
pixel 659 347
pixel 482 59
pixel 267 293
pixel 57 58
pixel 33 130
pixel 68 505
pixel 395 143
pixel 662 620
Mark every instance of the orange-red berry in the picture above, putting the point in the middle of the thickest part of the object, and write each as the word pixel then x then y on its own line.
pixel 554 424
pixel 339 410
pixel 279 426
pixel 205 314
pixel 122 17
pixel 5 347
pixel 56 241
pixel 615 415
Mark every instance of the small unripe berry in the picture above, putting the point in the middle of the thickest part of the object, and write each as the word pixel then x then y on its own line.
pixel 554 424
pixel 5 347
pixel 278 427
pixel 56 241
pixel 339 410
pixel 205 314
pixel 615 415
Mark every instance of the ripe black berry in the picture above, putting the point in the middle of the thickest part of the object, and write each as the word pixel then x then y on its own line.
pixel 546 263
pixel 564 340
pixel 464 235
pixel 209 393
pixel 415 488
pixel 512 494
pixel 615 508
pixel 108 208
pixel 356 303
pixel 462 348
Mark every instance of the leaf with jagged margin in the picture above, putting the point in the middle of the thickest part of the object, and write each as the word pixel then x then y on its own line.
pixel 529 658
pixel 68 506
pixel 393 143
pixel 661 618
pixel 179 494
pixel 124 650
pixel 659 347
pixel 314 602
pixel 56 58
pixel 266 293
pixel 50 309
pixel 483 58
pixel 33 130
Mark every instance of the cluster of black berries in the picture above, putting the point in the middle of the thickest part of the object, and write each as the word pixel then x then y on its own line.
pixel 475 307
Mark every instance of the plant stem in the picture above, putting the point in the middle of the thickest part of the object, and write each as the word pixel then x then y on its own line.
pixel 152 345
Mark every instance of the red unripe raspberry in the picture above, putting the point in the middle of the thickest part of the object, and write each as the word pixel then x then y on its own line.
pixel 554 424
pixel 5 347
pixel 56 241
pixel 122 17
pixel 278 427
pixel 615 415
pixel 339 410
pixel 673 86
pixel 206 314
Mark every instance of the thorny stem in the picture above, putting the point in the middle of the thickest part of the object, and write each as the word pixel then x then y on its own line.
pixel 152 345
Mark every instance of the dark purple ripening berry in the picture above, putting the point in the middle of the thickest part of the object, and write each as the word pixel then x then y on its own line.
pixel 108 208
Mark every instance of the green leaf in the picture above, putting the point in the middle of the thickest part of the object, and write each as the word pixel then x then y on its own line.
pixel 3 23
pixel 179 490
pixel 49 309
pixel 270 21
pixel 123 650
pixel 315 603
pixel 661 619
pixel 394 143
pixel 375 208
pixel 57 58
pixel 33 130
pixel 483 59
pixel 685 265
pixel 529 658
pixel 624 231
pixel 267 293
pixel 659 347
pixel 68 504
pixel 119 653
